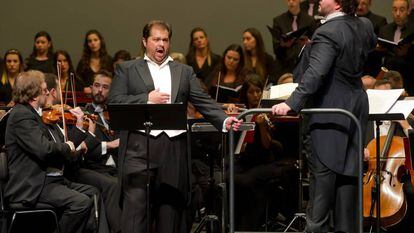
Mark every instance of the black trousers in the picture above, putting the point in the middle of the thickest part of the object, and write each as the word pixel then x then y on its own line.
pixel 72 199
pixel 330 192
pixel 108 187
pixel 169 195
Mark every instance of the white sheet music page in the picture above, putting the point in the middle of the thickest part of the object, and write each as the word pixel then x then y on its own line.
pixel 381 101
pixel 282 90
pixel 403 106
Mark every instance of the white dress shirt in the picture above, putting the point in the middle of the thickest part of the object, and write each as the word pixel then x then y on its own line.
pixel 161 76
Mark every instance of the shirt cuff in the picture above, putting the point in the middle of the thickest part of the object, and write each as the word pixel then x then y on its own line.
pixel 80 128
pixel 104 148
pixel 224 125
pixel 70 146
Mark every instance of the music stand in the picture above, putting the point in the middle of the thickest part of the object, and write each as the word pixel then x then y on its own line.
pixel 378 118
pixel 148 117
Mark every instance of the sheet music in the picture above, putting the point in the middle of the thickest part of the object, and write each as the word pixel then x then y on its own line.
pixel 282 90
pixel 381 101
pixel 403 106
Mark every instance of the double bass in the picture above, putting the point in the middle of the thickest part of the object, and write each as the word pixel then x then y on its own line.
pixel 393 203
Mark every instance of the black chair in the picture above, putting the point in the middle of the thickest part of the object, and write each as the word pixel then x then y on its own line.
pixel 14 216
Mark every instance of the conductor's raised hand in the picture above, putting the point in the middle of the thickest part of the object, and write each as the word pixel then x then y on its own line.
pixel 280 109
pixel 233 121
pixel 157 97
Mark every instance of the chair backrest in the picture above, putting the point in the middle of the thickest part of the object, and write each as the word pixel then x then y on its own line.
pixel 3 124
pixel 4 171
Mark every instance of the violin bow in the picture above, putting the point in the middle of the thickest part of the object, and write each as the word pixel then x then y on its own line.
pixel 218 84
pixel 72 85
pixel 59 72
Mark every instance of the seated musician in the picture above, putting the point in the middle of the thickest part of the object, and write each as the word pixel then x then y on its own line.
pixel 393 80
pixel 260 162
pixel 98 167
pixel 35 158
pixel 390 80
pixel 77 134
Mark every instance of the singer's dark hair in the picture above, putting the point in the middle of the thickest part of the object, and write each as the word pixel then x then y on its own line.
pixel 146 31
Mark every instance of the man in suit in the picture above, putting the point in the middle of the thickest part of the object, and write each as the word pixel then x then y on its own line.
pixel 399 58
pixel 36 159
pixel 288 49
pixel 102 158
pixel 77 134
pixel 374 62
pixel 99 163
pixel 329 75
pixel 157 79
pixel 364 11
pixel 310 6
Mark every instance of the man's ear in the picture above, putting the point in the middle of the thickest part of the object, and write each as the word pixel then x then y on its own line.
pixel 144 42
pixel 53 92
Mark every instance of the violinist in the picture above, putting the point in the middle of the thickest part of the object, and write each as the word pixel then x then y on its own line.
pixel 99 164
pixel 35 158
pixel 104 157
pixel 260 162
pixel 78 135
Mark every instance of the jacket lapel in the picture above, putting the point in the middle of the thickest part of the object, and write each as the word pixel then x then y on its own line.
pixel 175 80
pixel 144 73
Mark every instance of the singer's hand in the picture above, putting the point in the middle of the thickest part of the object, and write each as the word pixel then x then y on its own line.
pixel 157 97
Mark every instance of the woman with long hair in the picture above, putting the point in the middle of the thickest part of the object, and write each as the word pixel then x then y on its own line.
pixel 41 57
pixel 256 59
pixel 94 58
pixel 199 55
pixel 63 58
pixel 229 74
pixel 13 64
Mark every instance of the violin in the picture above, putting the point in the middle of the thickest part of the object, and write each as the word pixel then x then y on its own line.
pixel 392 202
pixel 105 114
pixel 53 115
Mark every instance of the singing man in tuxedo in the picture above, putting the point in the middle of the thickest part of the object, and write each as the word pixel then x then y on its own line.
pixel 157 79
pixel 329 75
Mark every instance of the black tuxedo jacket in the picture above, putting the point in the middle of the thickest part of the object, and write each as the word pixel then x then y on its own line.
pixel 329 73
pixel 30 150
pixel 94 158
pixel 133 83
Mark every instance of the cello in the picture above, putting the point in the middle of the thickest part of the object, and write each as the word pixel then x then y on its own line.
pixel 392 160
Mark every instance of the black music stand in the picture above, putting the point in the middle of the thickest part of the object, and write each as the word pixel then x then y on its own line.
pixel 378 118
pixel 148 117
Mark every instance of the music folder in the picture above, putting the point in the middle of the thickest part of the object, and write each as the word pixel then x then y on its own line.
pixel 391 44
pixel 289 35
